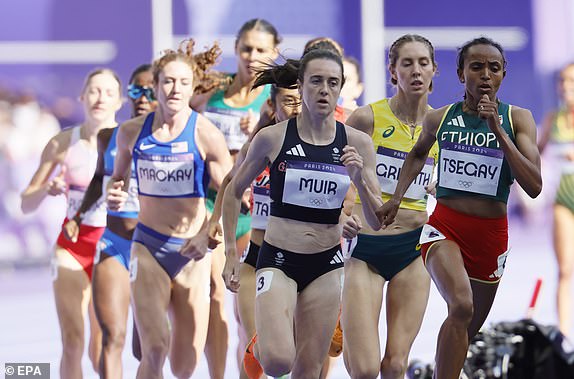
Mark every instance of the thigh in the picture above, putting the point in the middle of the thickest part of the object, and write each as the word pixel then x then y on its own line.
pixel 111 292
pixel 71 291
pixel 246 299
pixel 564 237
pixel 275 300
pixel 407 297
pixel 446 268
pixel 362 301
pixel 189 308
pixel 316 317
pixel 151 291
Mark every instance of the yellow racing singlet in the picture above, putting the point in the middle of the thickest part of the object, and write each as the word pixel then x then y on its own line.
pixel 392 140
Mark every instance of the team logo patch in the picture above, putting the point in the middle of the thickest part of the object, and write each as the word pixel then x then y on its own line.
pixel 279 258
pixel 430 234
pixel 389 131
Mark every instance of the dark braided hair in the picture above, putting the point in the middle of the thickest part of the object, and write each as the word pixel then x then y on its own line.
pixel 287 74
pixel 461 56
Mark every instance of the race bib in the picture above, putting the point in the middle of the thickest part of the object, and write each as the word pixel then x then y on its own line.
pixel 261 208
pixel 165 176
pixel 389 164
pixel 315 185
pixel 263 282
pixel 133 268
pixel 348 247
pixel 228 122
pixel 470 168
pixel 95 216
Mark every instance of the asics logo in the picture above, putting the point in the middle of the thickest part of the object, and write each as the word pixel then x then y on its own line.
pixel 388 131
pixel 143 146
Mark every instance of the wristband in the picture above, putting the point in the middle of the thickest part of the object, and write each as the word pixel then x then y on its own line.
pixel 79 216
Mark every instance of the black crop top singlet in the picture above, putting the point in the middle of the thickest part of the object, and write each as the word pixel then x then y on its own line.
pixel 309 182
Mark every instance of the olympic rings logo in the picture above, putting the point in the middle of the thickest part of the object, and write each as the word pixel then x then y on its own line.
pixel 316 202
pixel 465 184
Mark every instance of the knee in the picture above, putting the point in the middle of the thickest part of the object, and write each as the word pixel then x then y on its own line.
pixel 276 365
pixel 113 336
pixel 461 310
pixel 183 372
pixel 183 366
pixel 362 364
pixel 155 355
pixel 72 342
pixel 394 366
pixel 363 370
pixel 364 373
pixel 565 272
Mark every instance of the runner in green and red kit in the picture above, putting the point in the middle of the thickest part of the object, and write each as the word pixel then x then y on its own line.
pixel 484 144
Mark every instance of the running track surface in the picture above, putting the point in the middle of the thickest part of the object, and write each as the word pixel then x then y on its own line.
pixel 29 327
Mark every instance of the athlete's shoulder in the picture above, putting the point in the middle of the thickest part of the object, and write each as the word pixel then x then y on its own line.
pixel 357 137
pixel 105 135
pixel 276 131
pixel 208 134
pixel 521 116
pixel 362 119
pixel 434 116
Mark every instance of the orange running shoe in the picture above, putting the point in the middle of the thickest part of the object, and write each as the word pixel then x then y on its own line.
pixel 336 347
pixel 251 365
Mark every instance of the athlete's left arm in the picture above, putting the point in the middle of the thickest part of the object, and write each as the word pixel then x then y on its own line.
pixel 213 145
pixel 524 157
pixel 362 173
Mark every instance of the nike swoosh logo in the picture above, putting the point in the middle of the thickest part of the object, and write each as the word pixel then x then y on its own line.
pixel 143 146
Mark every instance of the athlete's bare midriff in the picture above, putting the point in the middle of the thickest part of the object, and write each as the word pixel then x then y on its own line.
pixel 176 217
pixel 473 206
pixel 302 237
pixel 405 221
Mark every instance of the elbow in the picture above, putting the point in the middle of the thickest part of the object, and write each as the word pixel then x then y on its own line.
pixel 374 223
pixel 535 189
pixel 25 206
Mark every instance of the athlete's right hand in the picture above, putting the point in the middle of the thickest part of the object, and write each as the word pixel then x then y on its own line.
pixel 214 233
pixel 231 270
pixel 351 227
pixel 387 212
pixel 71 229
pixel 117 197
pixel 57 185
pixel 431 188
pixel 247 123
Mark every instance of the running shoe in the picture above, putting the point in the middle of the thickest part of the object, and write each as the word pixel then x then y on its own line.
pixel 336 347
pixel 250 364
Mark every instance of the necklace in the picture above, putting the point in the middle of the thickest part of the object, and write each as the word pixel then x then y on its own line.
pixel 398 114
pixel 468 107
